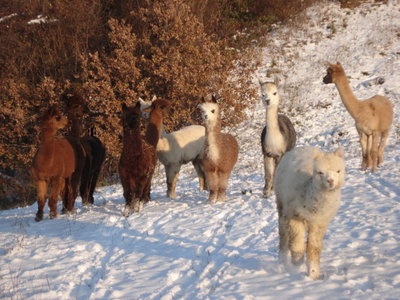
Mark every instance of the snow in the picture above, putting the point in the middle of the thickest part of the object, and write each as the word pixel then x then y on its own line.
pixel 8 17
pixel 186 248
pixel 41 19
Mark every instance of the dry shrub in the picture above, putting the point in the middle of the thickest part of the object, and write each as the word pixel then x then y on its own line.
pixel 169 55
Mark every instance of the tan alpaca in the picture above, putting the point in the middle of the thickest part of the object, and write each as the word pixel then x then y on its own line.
pixel 373 117
pixel 220 152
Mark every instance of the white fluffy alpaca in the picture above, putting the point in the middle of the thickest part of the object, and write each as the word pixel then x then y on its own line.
pixel 178 148
pixel 181 147
pixel 307 187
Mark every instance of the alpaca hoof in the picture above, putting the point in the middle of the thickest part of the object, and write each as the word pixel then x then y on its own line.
pixel 53 215
pixel 297 259
pixel 266 193
pixel 222 199
pixel 127 211
pixel 212 201
pixel 137 206
pixel 39 217
pixel 171 195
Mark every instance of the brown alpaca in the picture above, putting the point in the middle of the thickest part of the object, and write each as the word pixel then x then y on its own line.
pixel 138 157
pixel 220 152
pixel 94 148
pixel 373 117
pixel 55 163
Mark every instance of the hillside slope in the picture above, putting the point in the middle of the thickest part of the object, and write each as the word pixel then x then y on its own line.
pixel 187 249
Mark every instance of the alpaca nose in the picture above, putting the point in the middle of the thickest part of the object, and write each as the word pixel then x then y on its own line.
pixel 330 181
pixel 267 101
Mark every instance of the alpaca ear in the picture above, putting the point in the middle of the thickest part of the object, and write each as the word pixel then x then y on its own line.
pixel 339 152
pixel 213 99
pixel 124 107
pixel 276 81
pixel 154 98
pixel 53 110
pixel 138 104
pixel 260 82
pixel 164 104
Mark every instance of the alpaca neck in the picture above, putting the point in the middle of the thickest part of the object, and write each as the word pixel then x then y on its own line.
pixel 132 141
pixel 154 128
pixel 213 132
pixel 47 135
pixel 45 154
pixel 272 120
pixel 350 101
pixel 75 128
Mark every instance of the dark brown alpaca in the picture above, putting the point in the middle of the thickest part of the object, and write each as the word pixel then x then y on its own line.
pixel 55 163
pixel 138 157
pixel 94 148
pixel 220 152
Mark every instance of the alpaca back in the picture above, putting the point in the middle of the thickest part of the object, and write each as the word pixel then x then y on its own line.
pixel 380 114
pixel 181 146
pixel 308 182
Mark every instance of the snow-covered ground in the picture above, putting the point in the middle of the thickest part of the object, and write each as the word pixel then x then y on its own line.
pixel 188 249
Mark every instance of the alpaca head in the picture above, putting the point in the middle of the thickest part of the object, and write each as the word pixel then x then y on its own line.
pixel 209 111
pixel 131 116
pixel 329 170
pixel 145 106
pixel 333 72
pixel 75 105
pixel 269 93
pixel 54 119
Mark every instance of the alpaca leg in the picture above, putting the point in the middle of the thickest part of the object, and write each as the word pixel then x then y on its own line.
pixel 146 192
pixel 381 148
pixel 137 191
pixel 200 173
pixel 212 180
pixel 67 195
pixel 128 202
pixel 269 169
pixel 223 183
pixel 314 247
pixel 364 151
pixel 85 182
pixel 56 186
pixel 369 151
pixel 41 186
pixel 297 247
pixel 374 151
pixel 283 240
pixel 127 188
pixel 172 172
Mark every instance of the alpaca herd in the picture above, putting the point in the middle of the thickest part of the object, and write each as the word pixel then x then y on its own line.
pixel 306 180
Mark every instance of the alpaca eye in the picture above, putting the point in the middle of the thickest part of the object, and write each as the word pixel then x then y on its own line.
pixel 320 173
pixel 338 171
pixel 275 94
pixel 213 111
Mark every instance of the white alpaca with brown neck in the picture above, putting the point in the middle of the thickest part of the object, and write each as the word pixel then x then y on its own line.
pixel 178 148
pixel 220 152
